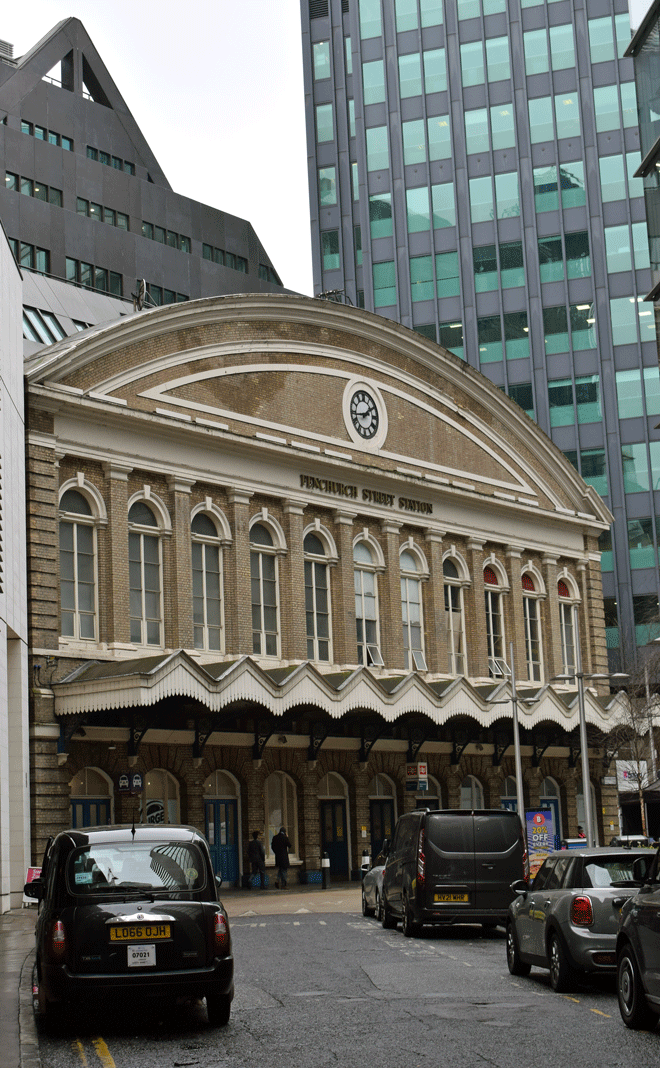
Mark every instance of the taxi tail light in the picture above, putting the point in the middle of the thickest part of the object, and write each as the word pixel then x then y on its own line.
pixel 582 914
pixel 58 940
pixel 421 860
pixel 221 935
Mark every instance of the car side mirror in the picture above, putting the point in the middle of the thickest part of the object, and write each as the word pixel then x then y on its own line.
pixel 520 887
pixel 35 889
pixel 641 869
pixel 218 881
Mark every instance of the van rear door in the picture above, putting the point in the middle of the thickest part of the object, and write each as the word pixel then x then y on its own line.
pixel 498 847
pixel 450 869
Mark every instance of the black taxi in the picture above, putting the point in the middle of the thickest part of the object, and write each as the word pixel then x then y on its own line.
pixel 131 912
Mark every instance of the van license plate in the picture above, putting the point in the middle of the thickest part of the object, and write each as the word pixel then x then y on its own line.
pixel 141 956
pixel 452 898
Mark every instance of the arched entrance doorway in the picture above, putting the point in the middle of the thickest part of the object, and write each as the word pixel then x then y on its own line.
pixel 333 804
pixel 221 794
pixel 382 812
pixel 91 798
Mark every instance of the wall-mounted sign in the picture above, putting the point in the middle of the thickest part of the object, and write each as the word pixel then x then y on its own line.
pixel 417 777
pixel 342 489
pixel 130 783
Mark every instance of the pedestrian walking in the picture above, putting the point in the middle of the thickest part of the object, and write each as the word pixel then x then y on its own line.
pixel 257 857
pixel 280 846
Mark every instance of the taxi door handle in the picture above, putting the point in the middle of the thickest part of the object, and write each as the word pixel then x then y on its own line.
pixel 484 864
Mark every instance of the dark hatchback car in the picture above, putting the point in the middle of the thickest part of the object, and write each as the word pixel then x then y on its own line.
pixel 127 914
pixel 638 952
pixel 452 866
pixel 567 920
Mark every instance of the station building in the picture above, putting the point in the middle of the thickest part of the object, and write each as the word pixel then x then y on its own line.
pixel 278 548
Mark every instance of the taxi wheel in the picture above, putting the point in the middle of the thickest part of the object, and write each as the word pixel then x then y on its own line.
pixel 561 972
pixel 633 1006
pixel 218 1009
pixel 515 964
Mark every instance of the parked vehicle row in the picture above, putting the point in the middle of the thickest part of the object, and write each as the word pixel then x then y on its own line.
pixel 588 911
pixel 127 914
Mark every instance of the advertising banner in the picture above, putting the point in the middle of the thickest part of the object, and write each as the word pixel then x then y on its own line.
pixel 417 777
pixel 540 837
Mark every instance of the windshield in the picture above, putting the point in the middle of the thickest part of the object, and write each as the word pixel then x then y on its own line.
pixel 125 867
pixel 608 871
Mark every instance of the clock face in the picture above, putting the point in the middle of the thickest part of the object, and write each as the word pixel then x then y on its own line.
pixel 364 414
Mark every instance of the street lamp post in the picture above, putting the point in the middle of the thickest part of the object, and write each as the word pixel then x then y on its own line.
pixel 516 740
pixel 579 675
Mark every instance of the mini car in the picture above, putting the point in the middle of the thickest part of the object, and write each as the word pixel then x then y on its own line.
pixel 567 920
pixel 127 914
pixel 372 890
pixel 638 953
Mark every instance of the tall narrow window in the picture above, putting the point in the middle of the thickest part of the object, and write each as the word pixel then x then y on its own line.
pixel 77 567
pixel 566 628
pixel 411 613
pixel 532 629
pixel 494 617
pixel 207 584
pixel 454 619
pixel 144 571
pixel 317 599
pixel 366 606
pixel 265 601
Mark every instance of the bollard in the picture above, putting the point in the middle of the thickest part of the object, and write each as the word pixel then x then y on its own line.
pixel 325 870
pixel 366 862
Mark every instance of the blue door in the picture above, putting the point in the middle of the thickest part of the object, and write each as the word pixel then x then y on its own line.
pixel 334 840
pixel 221 824
pixel 90 811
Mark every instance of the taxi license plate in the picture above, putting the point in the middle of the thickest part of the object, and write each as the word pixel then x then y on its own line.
pixel 148 932
pixel 452 898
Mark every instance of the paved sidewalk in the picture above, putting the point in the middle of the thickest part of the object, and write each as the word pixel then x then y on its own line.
pixel 19 1046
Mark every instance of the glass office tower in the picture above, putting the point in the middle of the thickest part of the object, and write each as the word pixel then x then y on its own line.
pixel 472 175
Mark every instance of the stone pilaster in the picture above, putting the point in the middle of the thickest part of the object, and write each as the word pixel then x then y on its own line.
pixel 239 592
pixel 433 592
pixel 343 591
pixel 477 644
pixel 391 634
pixel 550 617
pixel 515 630
pixel 114 589
pixel 178 594
pixel 292 584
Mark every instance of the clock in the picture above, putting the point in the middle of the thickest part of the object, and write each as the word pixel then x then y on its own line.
pixel 364 414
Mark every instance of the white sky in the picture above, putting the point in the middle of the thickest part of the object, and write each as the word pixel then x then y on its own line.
pixel 216 88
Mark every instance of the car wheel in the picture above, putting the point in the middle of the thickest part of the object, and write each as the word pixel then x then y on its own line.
pixel 561 972
pixel 516 965
pixel 50 1016
pixel 633 1006
pixel 379 908
pixel 408 925
pixel 387 919
pixel 366 909
pixel 218 1009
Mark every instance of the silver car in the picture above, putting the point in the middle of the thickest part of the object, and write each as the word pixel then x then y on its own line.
pixel 372 890
pixel 567 920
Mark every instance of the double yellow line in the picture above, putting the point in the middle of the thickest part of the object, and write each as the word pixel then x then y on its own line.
pixel 101 1050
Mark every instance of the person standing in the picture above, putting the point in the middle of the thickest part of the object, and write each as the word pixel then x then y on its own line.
pixel 280 846
pixel 257 857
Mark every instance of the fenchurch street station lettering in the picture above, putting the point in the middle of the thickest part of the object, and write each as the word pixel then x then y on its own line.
pixel 388 500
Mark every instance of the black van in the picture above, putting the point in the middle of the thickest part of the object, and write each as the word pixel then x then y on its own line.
pixel 453 866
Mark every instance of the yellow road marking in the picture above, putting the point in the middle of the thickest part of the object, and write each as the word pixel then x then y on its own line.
pixel 78 1046
pixel 567 998
pixel 103 1053
pixel 599 1013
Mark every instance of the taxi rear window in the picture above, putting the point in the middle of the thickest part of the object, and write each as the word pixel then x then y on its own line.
pixel 123 867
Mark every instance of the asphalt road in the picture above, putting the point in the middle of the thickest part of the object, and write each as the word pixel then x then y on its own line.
pixel 317 984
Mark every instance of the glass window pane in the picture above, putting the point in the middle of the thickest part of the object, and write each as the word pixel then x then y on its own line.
pixel 501 125
pixel 594 471
pixel 640 543
pixel 560 399
pixel 406 15
pixel 330 250
pixel 535 43
pixel 571 181
pixel 601 39
pixel 583 330
pixel 431 12
pixel 439 137
pixel 578 260
pixel 612 178
pixel 476 130
pixel 497 59
pixel 541 126
pixel 623 316
pixel 516 335
pixel 384 277
pixel 327 185
pixel 555 329
pixel 485 268
pixel 652 390
pixel 421 277
pixel 635 467
pixel 551 259
pixel 377 148
pixel 472 63
pixel 370 18
pixel 414 144
pixel 512 270
pixel 373 82
pixel 481 199
pixel 380 215
pixel 618 249
pixel 444 206
pixel 587 399
pixel 606 104
pixel 489 331
pixel 417 204
pixel 640 246
pixel 546 195
pixel 507 196
pixel 321 59
pixel 629 393
pixel 410 75
pixel 561 47
pixel 567 114
pixel 446 269
pixel 435 70
pixel 324 124
pixel 629 104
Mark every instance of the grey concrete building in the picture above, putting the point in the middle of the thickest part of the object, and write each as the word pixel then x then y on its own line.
pixel 472 172
pixel 85 200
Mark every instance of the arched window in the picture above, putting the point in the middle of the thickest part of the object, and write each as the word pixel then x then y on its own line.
pixel 221 784
pixel 332 785
pixel 509 794
pixel 366 606
pixel 531 615
pixel 550 797
pixel 78 610
pixel 160 797
pixel 265 592
pixel 411 612
pixel 208 622
pixel 566 628
pixel 472 793
pixel 317 599
pixel 454 619
pixel 144 571
pixel 281 805
pixel 91 798
pixel 494 619
pixel 380 786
